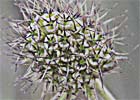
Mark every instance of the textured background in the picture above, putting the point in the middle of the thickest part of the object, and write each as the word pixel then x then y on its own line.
pixel 124 86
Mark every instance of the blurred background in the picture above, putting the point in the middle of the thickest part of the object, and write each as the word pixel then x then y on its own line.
pixel 124 85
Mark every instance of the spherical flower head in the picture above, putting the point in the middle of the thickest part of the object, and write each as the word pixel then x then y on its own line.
pixel 66 48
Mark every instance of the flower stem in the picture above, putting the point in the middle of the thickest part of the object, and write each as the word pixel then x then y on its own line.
pixel 103 91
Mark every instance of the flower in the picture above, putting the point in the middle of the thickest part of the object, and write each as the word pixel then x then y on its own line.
pixel 66 46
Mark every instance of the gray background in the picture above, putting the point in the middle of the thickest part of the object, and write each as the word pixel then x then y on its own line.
pixel 124 86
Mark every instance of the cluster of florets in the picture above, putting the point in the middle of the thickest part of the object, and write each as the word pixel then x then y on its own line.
pixel 64 50
pixel 69 52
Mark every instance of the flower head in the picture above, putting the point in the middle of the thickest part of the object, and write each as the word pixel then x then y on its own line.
pixel 66 45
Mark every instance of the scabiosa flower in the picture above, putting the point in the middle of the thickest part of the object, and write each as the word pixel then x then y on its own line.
pixel 66 45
